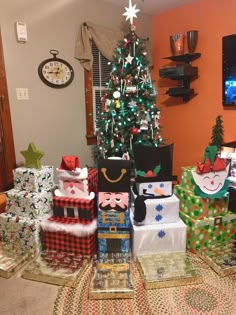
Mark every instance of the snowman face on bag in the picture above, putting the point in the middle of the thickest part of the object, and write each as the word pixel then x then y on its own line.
pixel 212 182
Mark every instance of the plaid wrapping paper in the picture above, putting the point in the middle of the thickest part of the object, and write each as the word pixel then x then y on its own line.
pixel 206 232
pixel 33 180
pixel 200 208
pixel 63 242
pixel 67 220
pixel 93 180
pixel 64 239
pixel 19 232
pixel 84 210
pixel 28 204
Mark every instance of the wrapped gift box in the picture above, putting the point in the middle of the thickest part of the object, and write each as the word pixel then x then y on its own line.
pixel 69 235
pixel 59 268
pixel 160 210
pixel 187 180
pixel 153 164
pixel 20 232
pixel 208 231
pixel 221 257
pixel 113 239
pixel 200 208
pixel 111 278
pixel 83 209
pixel 11 260
pixel 168 270
pixel 33 180
pixel 84 188
pixel 159 238
pixel 113 218
pixel 29 204
pixel 118 201
pixel 163 188
pixel 93 180
pixel 114 175
pixel 113 209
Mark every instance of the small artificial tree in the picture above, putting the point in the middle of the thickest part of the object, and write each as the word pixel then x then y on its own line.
pixel 129 114
pixel 217 132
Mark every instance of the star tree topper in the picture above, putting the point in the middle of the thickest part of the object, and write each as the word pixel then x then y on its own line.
pixel 32 156
pixel 131 12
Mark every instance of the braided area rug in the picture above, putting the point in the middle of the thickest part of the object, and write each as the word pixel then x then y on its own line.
pixel 215 296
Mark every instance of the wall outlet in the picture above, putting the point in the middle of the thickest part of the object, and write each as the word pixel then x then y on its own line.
pixel 22 94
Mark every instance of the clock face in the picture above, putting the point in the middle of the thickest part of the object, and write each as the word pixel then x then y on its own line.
pixel 56 73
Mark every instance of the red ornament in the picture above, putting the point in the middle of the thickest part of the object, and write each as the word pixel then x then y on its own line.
pixel 134 131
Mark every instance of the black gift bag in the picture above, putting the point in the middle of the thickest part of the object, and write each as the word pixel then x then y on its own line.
pixel 114 175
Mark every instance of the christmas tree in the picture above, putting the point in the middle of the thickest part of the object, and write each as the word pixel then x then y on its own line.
pixel 217 132
pixel 130 114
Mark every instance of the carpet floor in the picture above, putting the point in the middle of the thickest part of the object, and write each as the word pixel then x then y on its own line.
pixel 215 296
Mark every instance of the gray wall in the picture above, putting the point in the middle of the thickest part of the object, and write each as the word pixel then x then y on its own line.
pixel 54 119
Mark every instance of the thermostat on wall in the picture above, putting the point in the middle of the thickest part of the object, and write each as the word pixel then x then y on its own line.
pixel 21 32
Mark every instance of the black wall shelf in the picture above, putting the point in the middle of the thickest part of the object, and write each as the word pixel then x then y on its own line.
pixel 184 72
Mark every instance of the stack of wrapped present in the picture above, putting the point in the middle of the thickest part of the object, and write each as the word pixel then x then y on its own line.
pixel 27 204
pixel 203 195
pixel 72 227
pixel 111 273
pixel 114 206
pixel 156 225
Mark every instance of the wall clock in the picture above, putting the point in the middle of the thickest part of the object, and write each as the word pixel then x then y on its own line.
pixel 55 72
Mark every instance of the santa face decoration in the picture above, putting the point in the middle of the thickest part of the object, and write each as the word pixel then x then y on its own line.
pixel 74 189
pixel 212 182
pixel 113 201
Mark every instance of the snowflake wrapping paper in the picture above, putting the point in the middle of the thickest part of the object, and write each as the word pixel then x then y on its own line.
pixel 161 210
pixel 159 238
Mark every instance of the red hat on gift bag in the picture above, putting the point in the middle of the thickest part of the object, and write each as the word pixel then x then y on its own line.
pixel 69 163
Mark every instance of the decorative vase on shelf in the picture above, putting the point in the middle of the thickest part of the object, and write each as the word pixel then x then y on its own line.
pixel 192 37
pixel 177 44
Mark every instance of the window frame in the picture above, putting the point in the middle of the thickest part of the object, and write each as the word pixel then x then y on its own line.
pixel 90 107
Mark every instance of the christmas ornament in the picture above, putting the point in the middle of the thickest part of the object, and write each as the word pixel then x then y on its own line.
pixel 116 94
pixel 134 131
pixel 32 156
pixel 132 104
pixel 131 12
pixel 129 58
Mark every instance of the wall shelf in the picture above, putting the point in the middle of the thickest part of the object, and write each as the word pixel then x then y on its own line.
pixel 184 72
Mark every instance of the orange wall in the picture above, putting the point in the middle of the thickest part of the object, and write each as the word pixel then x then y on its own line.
pixel 189 125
